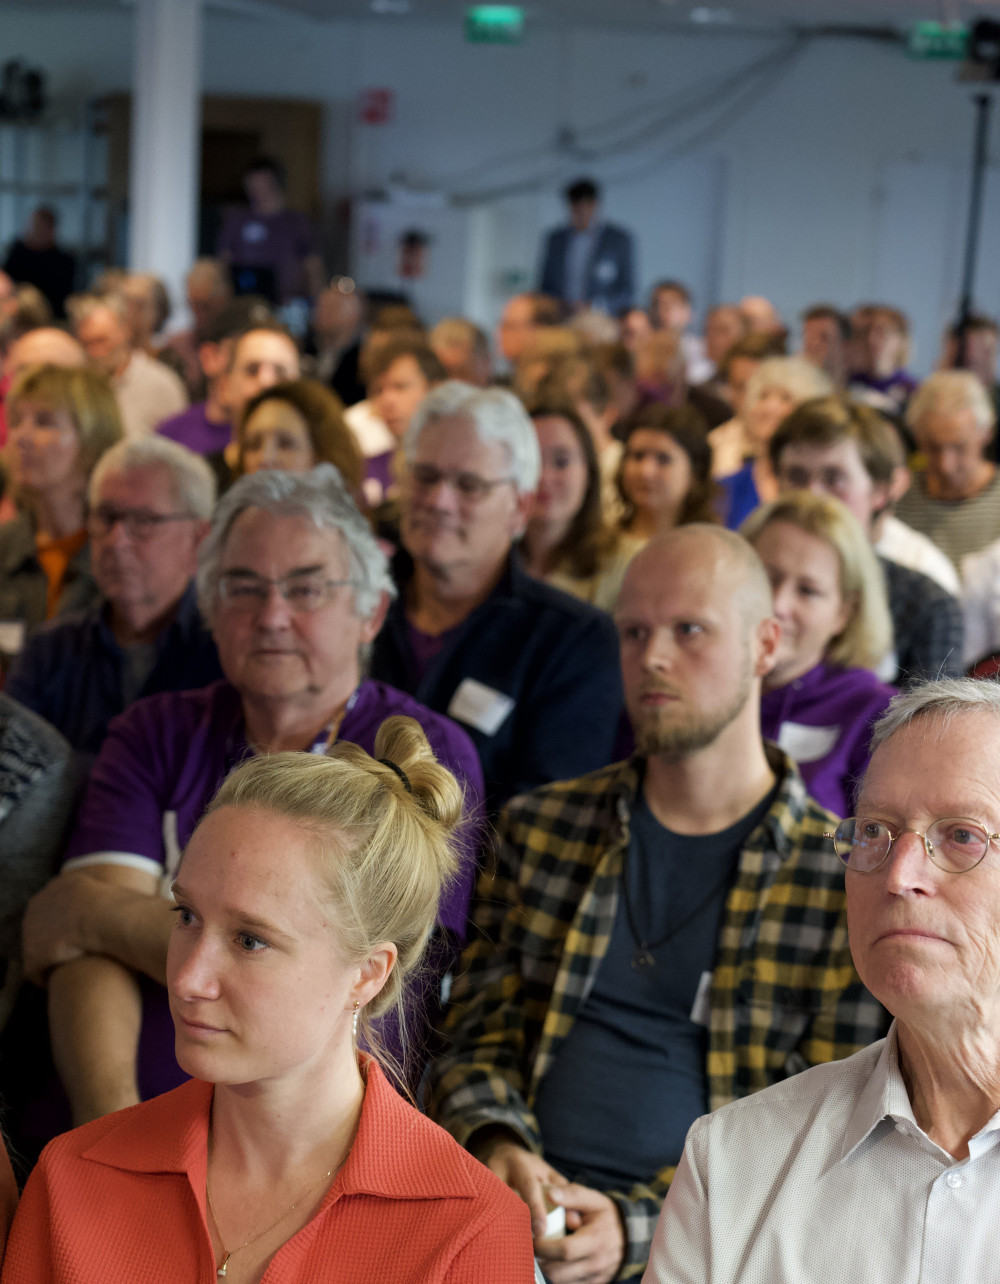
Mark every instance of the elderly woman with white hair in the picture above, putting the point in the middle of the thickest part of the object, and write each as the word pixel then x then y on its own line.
pixel 883 1167
pixel 294 588
pixel 955 501
pixel 530 672
pixel 740 461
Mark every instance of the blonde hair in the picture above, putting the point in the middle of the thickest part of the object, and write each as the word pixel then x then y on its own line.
pixel 83 395
pixel 387 848
pixel 867 635
pixel 794 375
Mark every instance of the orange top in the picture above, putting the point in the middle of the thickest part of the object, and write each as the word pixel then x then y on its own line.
pixel 123 1198
pixel 54 556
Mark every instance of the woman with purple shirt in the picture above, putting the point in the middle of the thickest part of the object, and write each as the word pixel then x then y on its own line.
pixel 294 588
pixel 821 697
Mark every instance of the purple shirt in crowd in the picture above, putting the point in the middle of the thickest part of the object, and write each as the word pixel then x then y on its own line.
pixel 281 242
pixel 194 429
pixel 161 764
pixel 823 721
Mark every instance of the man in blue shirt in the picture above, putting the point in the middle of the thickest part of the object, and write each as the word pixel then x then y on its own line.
pixel 151 502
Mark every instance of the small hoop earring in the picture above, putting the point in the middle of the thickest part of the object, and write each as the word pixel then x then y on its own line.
pixel 354 1018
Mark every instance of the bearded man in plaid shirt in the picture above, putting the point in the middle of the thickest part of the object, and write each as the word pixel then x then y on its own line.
pixel 653 939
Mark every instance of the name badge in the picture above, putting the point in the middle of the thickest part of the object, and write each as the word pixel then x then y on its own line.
pixel 807 744
pixel 701 1008
pixel 11 636
pixel 479 706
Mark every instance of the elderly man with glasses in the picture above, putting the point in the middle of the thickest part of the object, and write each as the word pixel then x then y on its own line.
pixel 150 506
pixel 531 672
pixel 886 1166
pixel 294 588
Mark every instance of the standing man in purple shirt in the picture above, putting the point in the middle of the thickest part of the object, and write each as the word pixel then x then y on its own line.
pixel 276 245
pixel 295 588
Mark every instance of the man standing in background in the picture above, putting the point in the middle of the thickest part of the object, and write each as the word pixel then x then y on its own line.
pixel 589 263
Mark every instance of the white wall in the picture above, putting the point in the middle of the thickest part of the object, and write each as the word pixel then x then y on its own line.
pixel 817 185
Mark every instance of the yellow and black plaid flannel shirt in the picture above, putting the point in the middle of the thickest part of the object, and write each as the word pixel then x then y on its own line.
pixel 784 991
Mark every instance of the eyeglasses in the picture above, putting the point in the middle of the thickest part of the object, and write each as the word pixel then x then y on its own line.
pixel 470 486
pixel 139 523
pixel 955 845
pixel 307 592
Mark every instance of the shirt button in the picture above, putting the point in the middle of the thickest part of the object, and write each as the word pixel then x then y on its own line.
pixel 903 1129
pixel 954 1180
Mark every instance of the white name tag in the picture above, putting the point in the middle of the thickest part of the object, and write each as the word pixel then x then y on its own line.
pixel 701 1008
pixel 807 744
pixel 479 706
pixel 11 636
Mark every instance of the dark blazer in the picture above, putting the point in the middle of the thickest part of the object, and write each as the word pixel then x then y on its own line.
pixel 610 277
pixel 554 658
pixel 72 671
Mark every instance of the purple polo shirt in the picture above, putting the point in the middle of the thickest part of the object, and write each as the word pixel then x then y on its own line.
pixel 194 429
pixel 161 764
pixel 823 721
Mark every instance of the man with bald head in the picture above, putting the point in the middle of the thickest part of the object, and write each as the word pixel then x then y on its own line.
pixel 653 939
pixel 46 346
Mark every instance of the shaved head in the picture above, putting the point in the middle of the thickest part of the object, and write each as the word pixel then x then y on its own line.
pixel 733 560
pixel 46 346
pixel 697 634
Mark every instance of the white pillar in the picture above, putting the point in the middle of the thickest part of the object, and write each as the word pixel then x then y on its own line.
pixel 166 140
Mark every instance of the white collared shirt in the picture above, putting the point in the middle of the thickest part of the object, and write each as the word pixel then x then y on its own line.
pixel 828 1177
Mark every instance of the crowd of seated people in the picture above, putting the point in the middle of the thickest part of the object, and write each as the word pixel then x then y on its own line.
pixel 407 740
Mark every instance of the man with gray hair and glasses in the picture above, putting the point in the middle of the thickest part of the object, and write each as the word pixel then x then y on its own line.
pixel 294 588
pixel 886 1166
pixel 529 671
pixel 150 505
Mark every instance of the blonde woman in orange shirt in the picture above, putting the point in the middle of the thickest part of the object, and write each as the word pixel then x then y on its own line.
pixel 304 901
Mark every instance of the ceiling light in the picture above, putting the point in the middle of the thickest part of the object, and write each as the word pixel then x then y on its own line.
pixel 390 6
pixel 703 15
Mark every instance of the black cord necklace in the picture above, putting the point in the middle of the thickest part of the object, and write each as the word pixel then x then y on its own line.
pixel 642 956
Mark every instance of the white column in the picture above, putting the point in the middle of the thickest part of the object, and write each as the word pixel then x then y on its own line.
pixel 166 140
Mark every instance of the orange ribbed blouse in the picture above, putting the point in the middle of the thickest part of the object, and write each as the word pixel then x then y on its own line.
pixel 123 1198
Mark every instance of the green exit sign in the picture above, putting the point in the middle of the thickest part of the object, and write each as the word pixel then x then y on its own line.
pixel 494 24
pixel 938 40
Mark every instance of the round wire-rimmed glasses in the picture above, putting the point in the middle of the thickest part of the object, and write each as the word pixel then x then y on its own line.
pixel 955 844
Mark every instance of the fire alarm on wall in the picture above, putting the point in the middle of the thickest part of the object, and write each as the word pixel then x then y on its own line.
pixel 377 105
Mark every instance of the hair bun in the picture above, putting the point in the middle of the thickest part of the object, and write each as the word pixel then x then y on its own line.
pixel 401 743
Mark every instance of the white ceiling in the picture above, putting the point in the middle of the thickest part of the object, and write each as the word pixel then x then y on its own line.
pixel 618 13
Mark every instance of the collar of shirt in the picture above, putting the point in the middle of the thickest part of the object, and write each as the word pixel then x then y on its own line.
pixel 238 750
pixel 885 1098
pixel 396 1153
pixel 184 626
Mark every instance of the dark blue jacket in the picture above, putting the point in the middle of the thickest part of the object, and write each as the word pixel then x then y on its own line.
pixel 610 278
pixel 554 657
pixel 70 671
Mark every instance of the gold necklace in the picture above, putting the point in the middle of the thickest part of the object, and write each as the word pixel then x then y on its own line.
pixel 231 1252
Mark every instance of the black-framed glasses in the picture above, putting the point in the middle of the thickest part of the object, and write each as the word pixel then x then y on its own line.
pixel 955 844
pixel 470 486
pixel 138 523
pixel 245 591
